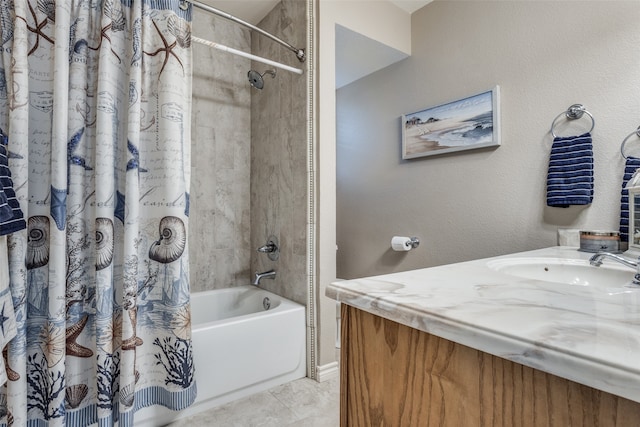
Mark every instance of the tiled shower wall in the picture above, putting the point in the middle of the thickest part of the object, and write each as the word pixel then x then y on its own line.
pixel 219 241
pixel 279 154
pixel 249 156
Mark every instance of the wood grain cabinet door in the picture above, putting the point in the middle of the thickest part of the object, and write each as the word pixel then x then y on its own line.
pixel 396 376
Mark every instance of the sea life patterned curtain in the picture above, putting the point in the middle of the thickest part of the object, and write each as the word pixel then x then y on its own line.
pixel 95 110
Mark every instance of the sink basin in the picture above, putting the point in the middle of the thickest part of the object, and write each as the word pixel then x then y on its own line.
pixel 565 271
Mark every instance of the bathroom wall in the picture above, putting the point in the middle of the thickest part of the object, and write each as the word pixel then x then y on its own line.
pixel 279 173
pixel 219 234
pixel 383 22
pixel 545 56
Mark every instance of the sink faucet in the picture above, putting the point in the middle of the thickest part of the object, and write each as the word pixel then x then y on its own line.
pixel 271 274
pixel 596 260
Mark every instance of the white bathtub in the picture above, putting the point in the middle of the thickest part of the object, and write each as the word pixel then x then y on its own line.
pixel 239 348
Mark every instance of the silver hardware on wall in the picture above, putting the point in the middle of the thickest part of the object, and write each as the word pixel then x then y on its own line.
pixel 271 274
pixel 624 141
pixel 300 54
pixel 271 248
pixel 403 244
pixel 574 112
pixel 256 79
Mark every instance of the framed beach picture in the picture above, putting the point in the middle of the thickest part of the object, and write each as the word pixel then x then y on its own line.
pixel 466 124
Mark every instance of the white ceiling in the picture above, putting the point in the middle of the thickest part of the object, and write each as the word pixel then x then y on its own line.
pixel 253 11
pixel 358 56
pixel 372 55
pixel 410 5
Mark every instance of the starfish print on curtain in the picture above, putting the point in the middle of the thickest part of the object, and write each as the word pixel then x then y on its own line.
pixel 96 100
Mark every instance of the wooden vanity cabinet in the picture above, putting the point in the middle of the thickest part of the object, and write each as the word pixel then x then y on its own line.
pixel 393 376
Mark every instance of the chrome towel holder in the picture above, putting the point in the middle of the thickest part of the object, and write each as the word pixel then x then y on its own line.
pixel 624 141
pixel 574 112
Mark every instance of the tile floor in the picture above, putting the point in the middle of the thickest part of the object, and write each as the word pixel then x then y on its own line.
pixel 300 403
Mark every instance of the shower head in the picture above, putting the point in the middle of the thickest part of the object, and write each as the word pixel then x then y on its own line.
pixel 256 79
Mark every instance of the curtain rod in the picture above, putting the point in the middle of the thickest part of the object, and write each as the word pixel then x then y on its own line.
pixel 244 54
pixel 300 54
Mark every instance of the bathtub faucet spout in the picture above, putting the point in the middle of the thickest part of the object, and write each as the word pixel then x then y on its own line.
pixel 271 274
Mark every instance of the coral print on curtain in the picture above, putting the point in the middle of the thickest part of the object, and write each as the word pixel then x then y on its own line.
pixel 95 104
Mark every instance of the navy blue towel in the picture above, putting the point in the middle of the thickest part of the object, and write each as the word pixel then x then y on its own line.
pixel 630 167
pixel 11 217
pixel 5 210
pixel 570 177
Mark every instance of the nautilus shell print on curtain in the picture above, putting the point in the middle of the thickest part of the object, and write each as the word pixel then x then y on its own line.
pixel 173 239
pixel 38 242
pixel 104 243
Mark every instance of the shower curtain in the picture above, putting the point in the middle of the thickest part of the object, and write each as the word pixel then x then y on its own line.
pixel 95 112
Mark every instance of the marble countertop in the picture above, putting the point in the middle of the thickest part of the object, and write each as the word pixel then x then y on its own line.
pixel 587 334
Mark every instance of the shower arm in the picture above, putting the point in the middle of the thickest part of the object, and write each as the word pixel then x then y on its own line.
pixel 300 54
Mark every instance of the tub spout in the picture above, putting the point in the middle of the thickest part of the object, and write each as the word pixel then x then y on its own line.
pixel 271 274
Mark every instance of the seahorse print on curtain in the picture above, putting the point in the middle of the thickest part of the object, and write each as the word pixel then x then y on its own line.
pixel 95 102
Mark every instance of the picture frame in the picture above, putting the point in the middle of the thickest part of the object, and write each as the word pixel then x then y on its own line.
pixel 465 124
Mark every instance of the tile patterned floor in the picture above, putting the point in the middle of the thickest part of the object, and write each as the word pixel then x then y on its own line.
pixel 301 403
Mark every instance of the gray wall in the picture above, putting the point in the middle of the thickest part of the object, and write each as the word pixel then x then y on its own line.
pixel 219 233
pixel 279 155
pixel 545 56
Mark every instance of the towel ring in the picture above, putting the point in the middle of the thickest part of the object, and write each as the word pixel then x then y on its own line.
pixel 624 141
pixel 574 112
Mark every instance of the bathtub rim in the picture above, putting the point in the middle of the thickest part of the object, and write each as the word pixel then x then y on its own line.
pixel 285 305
